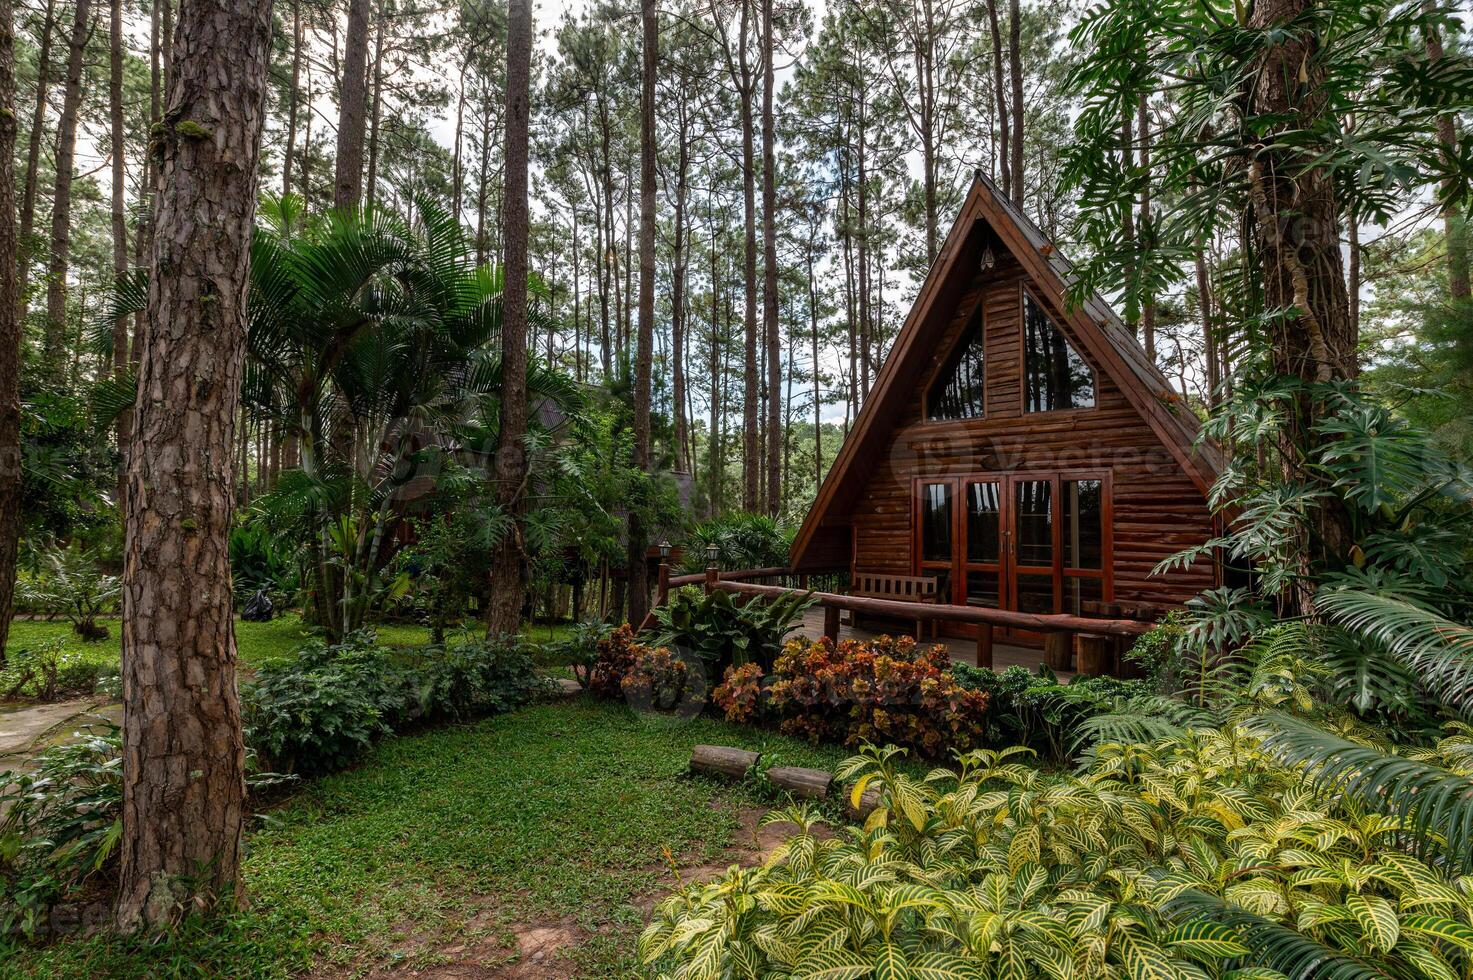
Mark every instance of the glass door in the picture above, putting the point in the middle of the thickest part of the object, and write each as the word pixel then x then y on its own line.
pixel 1038 543
pixel 983 534
pixel 937 533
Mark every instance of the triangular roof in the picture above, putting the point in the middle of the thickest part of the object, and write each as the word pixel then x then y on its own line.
pixel 1106 341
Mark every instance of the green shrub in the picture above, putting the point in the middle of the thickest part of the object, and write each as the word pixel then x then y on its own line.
pixel 259 560
pixel 475 677
pixel 54 670
pixel 60 825
pixel 72 585
pixel 319 711
pixel 1040 712
pixel 578 650
pixel 724 629
pixel 322 710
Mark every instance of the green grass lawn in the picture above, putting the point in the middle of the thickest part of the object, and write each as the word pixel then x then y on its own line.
pixel 448 837
pixel 257 642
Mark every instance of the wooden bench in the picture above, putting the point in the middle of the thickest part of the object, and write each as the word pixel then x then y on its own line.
pixel 899 588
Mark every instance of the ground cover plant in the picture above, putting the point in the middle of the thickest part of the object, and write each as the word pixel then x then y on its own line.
pixel 461 831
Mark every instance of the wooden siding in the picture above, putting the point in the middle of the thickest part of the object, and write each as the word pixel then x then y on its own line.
pixel 1158 509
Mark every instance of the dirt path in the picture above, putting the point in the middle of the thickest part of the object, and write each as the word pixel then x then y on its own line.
pixel 26 729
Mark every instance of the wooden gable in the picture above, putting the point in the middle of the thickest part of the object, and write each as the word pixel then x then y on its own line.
pixel 1138 429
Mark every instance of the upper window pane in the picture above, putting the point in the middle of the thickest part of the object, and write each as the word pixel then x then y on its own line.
pixel 1054 376
pixel 958 391
pixel 983 512
pixel 936 522
pixel 1083 523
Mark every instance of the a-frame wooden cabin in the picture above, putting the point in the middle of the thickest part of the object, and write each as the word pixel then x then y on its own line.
pixel 1021 450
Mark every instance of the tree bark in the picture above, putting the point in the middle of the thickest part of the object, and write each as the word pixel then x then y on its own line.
pixel 751 448
pixel 1015 58
pixel 291 112
pixel 25 248
pixel 770 328
pixel 1148 302
pixel 352 108
pixel 999 86
pixel 119 223
pixel 1454 221
pixel 61 204
pixel 183 753
pixel 1295 224
pixel 10 356
pixel 644 342
pixel 375 113
pixel 508 573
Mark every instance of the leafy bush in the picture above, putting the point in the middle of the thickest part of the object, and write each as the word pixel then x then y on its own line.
pixel 1195 857
pixel 54 670
pixel 259 559
pixel 725 629
pixel 578 650
pixel 616 655
pixel 320 711
pixel 476 677
pixel 885 689
pixel 71 584
pixel 59 825
pixel 662 680
pixel 1040 712
pixel 740 695
pixel 742 540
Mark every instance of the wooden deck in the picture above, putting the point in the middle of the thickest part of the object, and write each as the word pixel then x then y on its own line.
pixel 1004 655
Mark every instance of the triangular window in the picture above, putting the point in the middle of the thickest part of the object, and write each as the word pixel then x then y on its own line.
pixel 959 391
pixel 1054 375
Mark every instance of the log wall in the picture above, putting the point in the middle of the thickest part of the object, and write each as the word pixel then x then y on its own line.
pixel 1157 509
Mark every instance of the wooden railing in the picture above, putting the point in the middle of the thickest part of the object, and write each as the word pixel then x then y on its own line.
pixel 1096 635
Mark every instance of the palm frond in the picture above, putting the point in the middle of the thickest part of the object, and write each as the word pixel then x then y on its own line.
pixel 1393 613
pixel 1433 803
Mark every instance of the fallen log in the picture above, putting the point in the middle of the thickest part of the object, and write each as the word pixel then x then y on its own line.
pixel 811 784
pixel 868 800
pixel 722 760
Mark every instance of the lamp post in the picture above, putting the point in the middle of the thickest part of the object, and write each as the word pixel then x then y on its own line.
pixel 662 587
pixel 712 574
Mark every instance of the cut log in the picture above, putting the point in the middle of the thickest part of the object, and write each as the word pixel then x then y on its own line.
pixel 1093 654
pixel 867 803
pixel 810 783
pixel 722 760
pixel 1057 652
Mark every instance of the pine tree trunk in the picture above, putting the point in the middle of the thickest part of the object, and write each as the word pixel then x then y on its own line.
pixel 291 112
pixel 1015 58
pixel 644 341
pixel 119 222
pixel 61 203
pixel 25 247
pixel 770 327
pixel 183 753
pixel 10 452
pixel 371 192
pixel 751 448
pixel 1148 302
pixel 508 572
pixel 352 109
pixel 999 86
